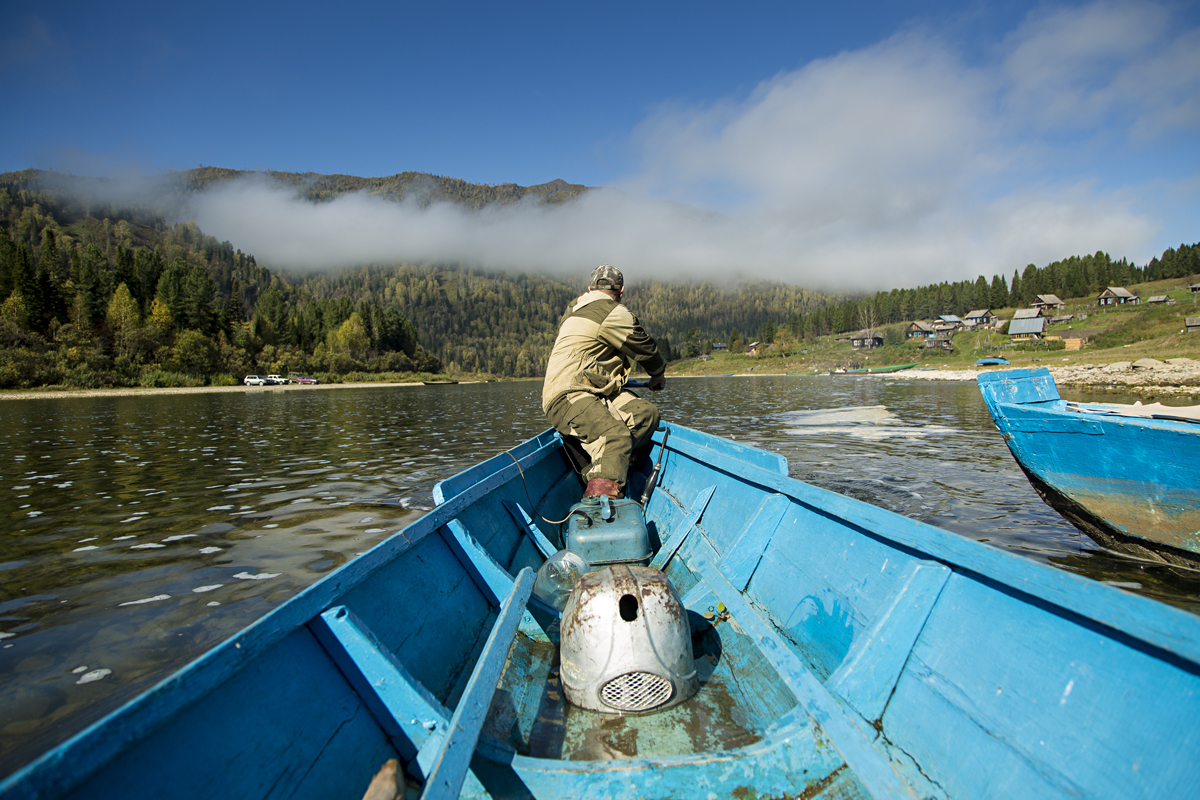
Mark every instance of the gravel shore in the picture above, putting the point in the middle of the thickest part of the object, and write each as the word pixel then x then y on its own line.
pixel 1175 376
pixel 36 394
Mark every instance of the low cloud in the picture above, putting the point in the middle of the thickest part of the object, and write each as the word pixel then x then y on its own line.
pixel 898 164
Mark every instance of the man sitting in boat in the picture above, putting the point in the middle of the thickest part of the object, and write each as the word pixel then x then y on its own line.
pixel 584 395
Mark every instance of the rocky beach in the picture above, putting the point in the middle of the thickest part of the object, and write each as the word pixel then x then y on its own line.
pixel 1173 377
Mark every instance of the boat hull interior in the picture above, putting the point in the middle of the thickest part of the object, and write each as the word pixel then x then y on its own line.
pixel 843 651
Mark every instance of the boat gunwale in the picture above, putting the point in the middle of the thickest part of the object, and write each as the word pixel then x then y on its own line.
pixel 1104 413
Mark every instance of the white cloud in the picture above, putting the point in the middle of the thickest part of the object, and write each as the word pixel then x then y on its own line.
pixel 894 165
pixel 1070 68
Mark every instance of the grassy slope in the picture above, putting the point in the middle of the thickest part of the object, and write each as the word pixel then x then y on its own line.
pixel 1129 333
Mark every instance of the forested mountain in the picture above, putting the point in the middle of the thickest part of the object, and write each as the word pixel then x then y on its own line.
pixel 128 299
pixel 165 196
pixel 194 308
pixel 100 292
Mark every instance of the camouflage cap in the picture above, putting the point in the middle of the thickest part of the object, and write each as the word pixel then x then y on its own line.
pixel 606 276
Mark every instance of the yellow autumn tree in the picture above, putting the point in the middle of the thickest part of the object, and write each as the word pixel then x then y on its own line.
pixel 123 318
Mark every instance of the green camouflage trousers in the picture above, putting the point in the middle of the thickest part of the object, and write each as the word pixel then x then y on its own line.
pixel 610 429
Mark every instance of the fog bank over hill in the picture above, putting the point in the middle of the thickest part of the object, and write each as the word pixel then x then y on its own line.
pixel 653 238
pixel 903 163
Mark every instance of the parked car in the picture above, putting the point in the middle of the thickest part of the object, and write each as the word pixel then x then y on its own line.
pixel 303 379
pixel 279 379
pixel 254 380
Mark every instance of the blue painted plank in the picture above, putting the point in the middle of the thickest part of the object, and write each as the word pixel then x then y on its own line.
pixel 743 556
pixel 287 716
pixel 1020 385
pixel 726 454
pixel 871 766
pixel 530 527
pixel 547 441
pixel 402 706
pixel 683 529
pixel 1162 626
pixel 869 673
pixel 1005 698
pixel 491 578
pixel 450 767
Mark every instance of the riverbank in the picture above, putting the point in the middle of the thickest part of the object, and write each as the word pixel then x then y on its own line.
pixel 1175 376
pixel 47 394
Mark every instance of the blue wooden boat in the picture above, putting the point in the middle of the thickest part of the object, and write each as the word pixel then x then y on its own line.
pixel 992 361
pixel 841 651
pixel 1127 476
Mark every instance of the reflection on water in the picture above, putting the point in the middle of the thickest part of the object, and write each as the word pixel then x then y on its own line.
pixel 141 531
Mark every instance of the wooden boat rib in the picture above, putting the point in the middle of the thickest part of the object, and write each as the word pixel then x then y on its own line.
pixel 1124 475
pixel 851 652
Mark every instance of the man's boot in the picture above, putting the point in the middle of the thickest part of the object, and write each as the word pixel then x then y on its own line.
pixel 599 486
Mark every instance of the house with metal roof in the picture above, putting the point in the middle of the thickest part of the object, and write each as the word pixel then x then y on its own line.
pixel 1048 302
pixel 1116 296
pixel 1027 328
pixel 1160 300
pixel 1027 313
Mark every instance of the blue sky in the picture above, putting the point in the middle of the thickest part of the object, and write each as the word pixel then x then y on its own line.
pixel 865 145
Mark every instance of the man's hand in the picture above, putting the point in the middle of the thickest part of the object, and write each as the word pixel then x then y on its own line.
pixel 657 383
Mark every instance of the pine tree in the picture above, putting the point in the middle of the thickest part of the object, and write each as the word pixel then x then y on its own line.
pixel 998 297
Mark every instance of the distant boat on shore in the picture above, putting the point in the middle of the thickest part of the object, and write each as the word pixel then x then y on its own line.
pixel 874 370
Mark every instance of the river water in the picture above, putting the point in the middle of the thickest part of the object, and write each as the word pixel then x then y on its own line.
pixel 138 532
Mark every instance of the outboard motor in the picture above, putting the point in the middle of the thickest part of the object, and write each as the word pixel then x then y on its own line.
pixel 626 644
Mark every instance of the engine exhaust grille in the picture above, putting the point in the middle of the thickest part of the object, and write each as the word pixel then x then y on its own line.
pixel 636 691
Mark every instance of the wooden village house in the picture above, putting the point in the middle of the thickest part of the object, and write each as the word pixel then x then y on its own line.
pixel 865 339
pixel 918 330
pixel 1116 296
pixel 940 343
pixel 980 318
pixel 1048 303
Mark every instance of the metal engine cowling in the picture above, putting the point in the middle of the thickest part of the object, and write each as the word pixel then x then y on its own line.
pixel 626 644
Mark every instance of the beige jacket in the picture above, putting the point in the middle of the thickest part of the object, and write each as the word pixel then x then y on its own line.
pixel 596 339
